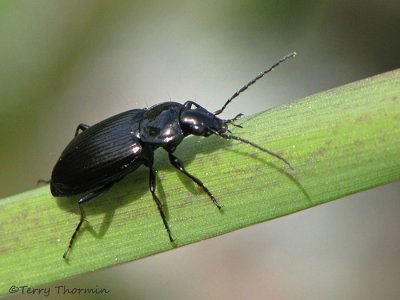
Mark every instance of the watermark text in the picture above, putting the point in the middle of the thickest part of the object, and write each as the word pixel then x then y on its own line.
pixel 57 290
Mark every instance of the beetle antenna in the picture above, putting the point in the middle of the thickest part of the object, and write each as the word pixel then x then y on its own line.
pixel 261 75
pixel 232 137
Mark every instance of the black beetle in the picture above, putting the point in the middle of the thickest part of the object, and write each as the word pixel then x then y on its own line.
pixel 102 154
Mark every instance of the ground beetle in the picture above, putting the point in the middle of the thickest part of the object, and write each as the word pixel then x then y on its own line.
pixel 102 154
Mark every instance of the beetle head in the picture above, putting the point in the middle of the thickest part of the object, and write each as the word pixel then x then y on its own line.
pixel 201 122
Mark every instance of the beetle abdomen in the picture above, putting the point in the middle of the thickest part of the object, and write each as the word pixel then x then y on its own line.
pixel 102 154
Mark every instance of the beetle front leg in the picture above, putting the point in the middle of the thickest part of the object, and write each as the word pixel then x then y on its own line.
pixel 81 127
pixel 157 200
pixel 83 215
pixel 179 165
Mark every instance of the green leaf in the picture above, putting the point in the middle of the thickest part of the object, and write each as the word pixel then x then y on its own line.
pixel 339 142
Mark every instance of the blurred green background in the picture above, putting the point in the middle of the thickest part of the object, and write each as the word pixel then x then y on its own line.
pixel 66 62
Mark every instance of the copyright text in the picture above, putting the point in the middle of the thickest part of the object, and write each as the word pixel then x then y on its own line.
pixel 58 290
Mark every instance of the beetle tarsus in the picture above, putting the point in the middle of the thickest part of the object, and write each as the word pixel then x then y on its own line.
pixel 83 215
pixel 43 181
pixel 73 237
pixel 152 184
pixel 179 165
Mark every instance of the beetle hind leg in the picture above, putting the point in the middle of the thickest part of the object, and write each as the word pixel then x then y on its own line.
pixel 152 184
pixel 177 163
pixel 83 215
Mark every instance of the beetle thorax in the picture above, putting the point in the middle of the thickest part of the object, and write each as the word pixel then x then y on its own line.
pixel 160 125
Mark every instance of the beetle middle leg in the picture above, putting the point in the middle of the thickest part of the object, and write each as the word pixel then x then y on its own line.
pixel 83 215
pixel 152 183
pixel 81 127
pixel 178 164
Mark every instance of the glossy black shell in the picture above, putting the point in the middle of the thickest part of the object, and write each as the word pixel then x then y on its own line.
pixel 160 126
pixel 103 153
pixel 114 147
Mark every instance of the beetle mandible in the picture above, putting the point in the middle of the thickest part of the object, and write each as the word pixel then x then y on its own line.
pixel 100 155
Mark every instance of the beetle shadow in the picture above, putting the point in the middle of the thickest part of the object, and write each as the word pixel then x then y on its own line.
pixel 211 144
pixel 120 194
pixel 285 171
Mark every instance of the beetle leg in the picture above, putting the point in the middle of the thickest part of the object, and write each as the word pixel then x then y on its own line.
pixel 188 105
pixel 44 181
pixel 179 165
pixel 152 183
pixel 82 127
pixel 83 215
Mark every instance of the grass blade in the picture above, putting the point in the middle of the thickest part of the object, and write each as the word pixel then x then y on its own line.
pixel 339 142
